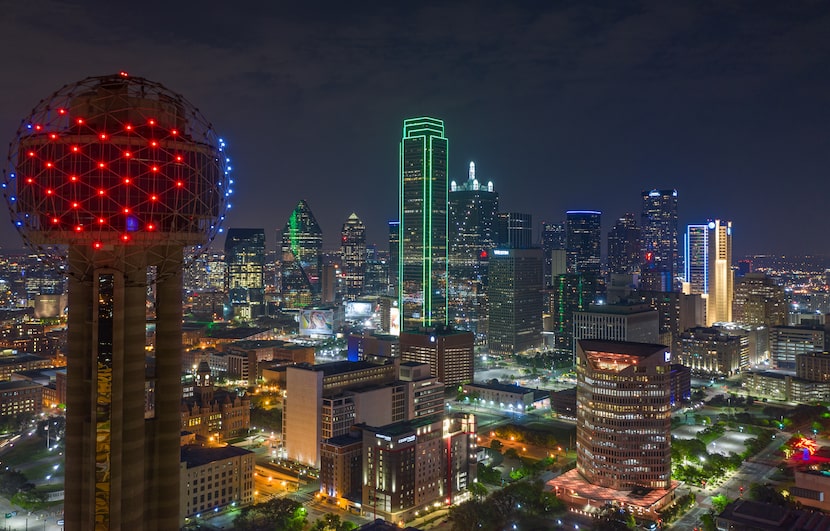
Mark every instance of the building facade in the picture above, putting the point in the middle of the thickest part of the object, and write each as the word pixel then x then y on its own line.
pixel 583 242
pixel 758 300
pixel 711 351
pixel 624 246
pixel 721 276
pixel 659 231
pixel 244 270
pixel 623 426
pixel 422 264
pixel 353 256
pixel 215 478
pixel 449 353
pixel 515 300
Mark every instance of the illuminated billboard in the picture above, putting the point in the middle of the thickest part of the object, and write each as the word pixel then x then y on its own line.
pixel 358 310
pixel 395 321
pixel 317 322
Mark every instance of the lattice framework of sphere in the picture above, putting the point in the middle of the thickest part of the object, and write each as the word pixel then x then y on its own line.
pixel 117 161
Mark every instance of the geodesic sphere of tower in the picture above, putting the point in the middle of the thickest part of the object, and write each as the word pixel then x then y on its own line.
pixel 116 161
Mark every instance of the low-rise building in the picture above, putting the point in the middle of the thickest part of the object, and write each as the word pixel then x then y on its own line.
pixel 707 350
pixel 20 396
pixel 214 478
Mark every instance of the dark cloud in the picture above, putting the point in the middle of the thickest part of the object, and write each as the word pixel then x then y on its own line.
pixel 563 105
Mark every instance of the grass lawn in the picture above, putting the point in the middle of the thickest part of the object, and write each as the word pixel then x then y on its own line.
pixel 27 451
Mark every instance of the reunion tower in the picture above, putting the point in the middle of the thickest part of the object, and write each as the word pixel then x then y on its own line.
pixel 126 174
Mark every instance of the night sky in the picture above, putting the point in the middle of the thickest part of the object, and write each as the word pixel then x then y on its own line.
pixel 577 106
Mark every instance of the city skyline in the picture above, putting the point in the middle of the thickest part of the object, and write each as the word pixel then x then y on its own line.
pixel 567 107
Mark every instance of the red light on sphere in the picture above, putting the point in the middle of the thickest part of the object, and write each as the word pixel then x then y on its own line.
pixel 38 127
pixel 102 136
pixel 179 184
pixel 101 221
pixel 154 143
pixel 150 226
pixel 75 204
pixel 73 178
pixel 80 121
pixel 97 245
pixel 126 210
pixel 53 136
pixel 79 228
pixel 127 180
pixel 125 237
pixel 48 164
pixel 101 192
pixel 155 168
pixel 29 180
pixel 127 154
pixel 56 220
pixel 128 127
pixel 101 165
pixel 49 191
pixel 61 111
pixel 174 132
pixel 154 198
pixel 151 121
pixel 31 153
pixel 75 149
pixel 179 158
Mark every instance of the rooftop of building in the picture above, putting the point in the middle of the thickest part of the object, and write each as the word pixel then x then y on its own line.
pixel 345 440
pixel 407 426
pixel 15 358
pixel 505 388
pixel 234 333
pixel 435 331
pixel 10 385
pixel 621 308
pixel 630 348
pixel 196 455
pixel 572 482
pixel 254 344
pixel 339 367
pixel 383 525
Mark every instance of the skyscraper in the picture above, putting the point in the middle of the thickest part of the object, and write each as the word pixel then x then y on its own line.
pixel 126 174
pixel 245 281
pixel 473 211
pixel 394 254
pixel 423 223
pixel 709 268
pixel 583 242
pixel 659 230
pixel 624 246
pixel 719 304
pixel 515 300
pixel 353 256
pixel 552 238
pixel 302 246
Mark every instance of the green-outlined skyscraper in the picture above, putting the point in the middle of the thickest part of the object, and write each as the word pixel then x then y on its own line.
pixel 422 266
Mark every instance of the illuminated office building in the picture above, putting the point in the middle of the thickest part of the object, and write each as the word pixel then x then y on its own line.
pixel 583 242
pixel 623 423
pixel 353 256
pixel 515 300
pixel 244 268
pixel 473 211
pixel 759 300
pixel 302 258
pixel 658 224
pixel 720 293
pixel 422 272
pixel 552 239
pixel 697 260
pixel 394 254
pixel 449 353
pixel 570 293
pixel 624 246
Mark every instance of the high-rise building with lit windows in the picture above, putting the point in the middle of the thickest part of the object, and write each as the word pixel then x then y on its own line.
pixel 302 258
pixel 721 276
pixel 659 231
pixel 422 267
pixel 697 260
pixel 623 423
pixel 583 242
pixel 353 256
pixel 552 238
pixel 473 211
pixel 624 246
pixel 244 268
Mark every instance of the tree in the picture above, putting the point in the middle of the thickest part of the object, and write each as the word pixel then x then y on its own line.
pixel 472 514
pixel 496 445
pixel 332 522
pixel 478 490
pixel 719 503
pixel 10 482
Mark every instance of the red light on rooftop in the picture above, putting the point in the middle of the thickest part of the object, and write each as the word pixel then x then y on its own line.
pixel 123 73
pixel 126 210
pixel 75 149
pixel 79 121
pixel 154 143
pixel 128 127
pixel 96 245
pixel 73 178
pixel 150 226
pixel 31 153
pixel 53 136
pixel 79 228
